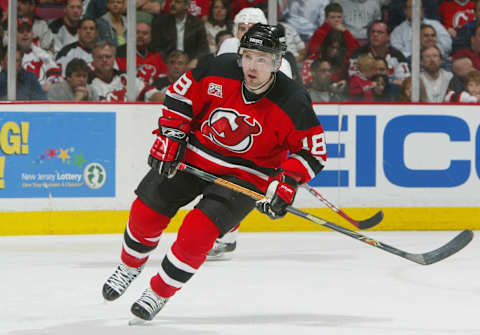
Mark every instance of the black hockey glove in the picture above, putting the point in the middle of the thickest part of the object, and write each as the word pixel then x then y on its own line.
pixel 279 195
pixel 169 147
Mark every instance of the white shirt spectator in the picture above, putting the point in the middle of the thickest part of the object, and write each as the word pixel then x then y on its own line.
pixel 293 40
pixel 41 64
pixel 42 35
pixel 305 16
pixel 437 89
pixel 358 14
pixel 401 37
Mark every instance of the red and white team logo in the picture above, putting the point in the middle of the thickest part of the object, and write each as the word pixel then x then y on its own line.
pixel 231 130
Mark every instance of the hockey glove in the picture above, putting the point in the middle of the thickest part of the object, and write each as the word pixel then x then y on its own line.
pixel 279 195
pixel 169 147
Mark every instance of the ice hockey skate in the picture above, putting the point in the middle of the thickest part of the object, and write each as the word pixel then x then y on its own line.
pixel 221 251
pixel 119 281
pixel 224 247
pixel 146 307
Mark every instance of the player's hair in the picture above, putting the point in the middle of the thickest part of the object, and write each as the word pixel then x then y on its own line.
pixel 103 44
pixel 177 53
pixel 76 65
pixel 222 33
pixel 473 77
pixel 333 8
pixel 430 47
pixel 366 63
pixel 80 23
pixel 389 31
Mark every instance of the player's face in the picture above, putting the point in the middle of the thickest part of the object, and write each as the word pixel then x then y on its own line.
pixel 74 10
pixel 103 60
pixel 144 35
pixel 257 67
pixel 242 29
pixel 219 12
pixel 87 32
pixel 428 37
pixel 473 88
pixel 379 35
pixel 77 79
pixel 334 18
pixel 24 37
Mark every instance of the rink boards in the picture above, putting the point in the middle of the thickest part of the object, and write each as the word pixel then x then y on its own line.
pixel 72 168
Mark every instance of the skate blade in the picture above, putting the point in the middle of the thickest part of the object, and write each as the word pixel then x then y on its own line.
pixel 222 257
pixel 136 321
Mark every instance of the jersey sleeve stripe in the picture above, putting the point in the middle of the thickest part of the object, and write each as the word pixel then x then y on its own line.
pixel 178 97
pixel 173 103
pixel 311 164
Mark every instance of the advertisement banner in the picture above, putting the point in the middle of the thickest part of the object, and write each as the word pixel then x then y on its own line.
pixel 57 154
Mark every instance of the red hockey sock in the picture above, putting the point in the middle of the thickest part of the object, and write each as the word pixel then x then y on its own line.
pixel 194 240
pixel 142 233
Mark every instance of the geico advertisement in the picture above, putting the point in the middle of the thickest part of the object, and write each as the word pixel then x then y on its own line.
pixel 55 154
pixel 397 155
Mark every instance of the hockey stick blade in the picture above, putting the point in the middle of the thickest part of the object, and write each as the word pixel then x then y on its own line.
pixel 448 249
pixel 361 224
pixel 371 222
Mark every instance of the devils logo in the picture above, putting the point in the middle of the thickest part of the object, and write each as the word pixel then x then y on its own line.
pixel 231 130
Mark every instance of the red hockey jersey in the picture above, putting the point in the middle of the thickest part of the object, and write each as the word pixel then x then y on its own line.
pixel 454 15
pixel 252 140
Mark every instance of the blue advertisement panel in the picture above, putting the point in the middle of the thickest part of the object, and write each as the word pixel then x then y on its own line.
pixel 57 154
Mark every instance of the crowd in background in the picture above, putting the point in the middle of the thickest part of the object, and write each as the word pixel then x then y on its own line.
pixel 340 50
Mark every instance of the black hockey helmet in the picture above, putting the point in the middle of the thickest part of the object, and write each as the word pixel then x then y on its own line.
pixel 263 37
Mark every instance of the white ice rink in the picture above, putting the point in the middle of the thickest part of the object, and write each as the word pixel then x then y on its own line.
pixel 321 283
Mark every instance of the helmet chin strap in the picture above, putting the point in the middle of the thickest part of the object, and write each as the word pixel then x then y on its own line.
pixel 254 89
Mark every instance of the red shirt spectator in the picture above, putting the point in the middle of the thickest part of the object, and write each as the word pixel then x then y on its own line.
pixel 456 13
pixel 197 8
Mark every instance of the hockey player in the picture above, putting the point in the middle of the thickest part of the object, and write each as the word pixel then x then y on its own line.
pixel 219 119
pixel 245 19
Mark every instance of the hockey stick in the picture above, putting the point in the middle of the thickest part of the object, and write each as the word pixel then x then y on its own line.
pixel 362 224
pixel 446 250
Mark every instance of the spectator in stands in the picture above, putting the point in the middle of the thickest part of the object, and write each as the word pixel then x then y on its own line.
pixel 433 76
pixel 74 87
pixel 95 9
pixel 379 45
pixel 358 14
pixel 472 88
pixel 474 51
pixel 65 29
pixel 28 87
pixel 401 37
pixel 35 59
pixel 294 42
pixel 111 84
pixel 333 21
pixel 428 38
pixel 3 11
pixel 361 85
pixel 180 30
pixel 112 26
pixel 381 91
pixel 462 39
pixel 221 36
pixel 456 13
pixel 42 35
pixel 177 64
pixel 334 49
pixel 322 89
pixel 147 9
pixel 150 64
pixel 305 16
pixel 198 8
pixel 87 37
pixel 381 66
pixel 406 91
pixel 461 67
pixel 219 18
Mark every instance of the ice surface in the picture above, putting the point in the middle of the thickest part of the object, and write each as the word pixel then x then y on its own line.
pixel 321 283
